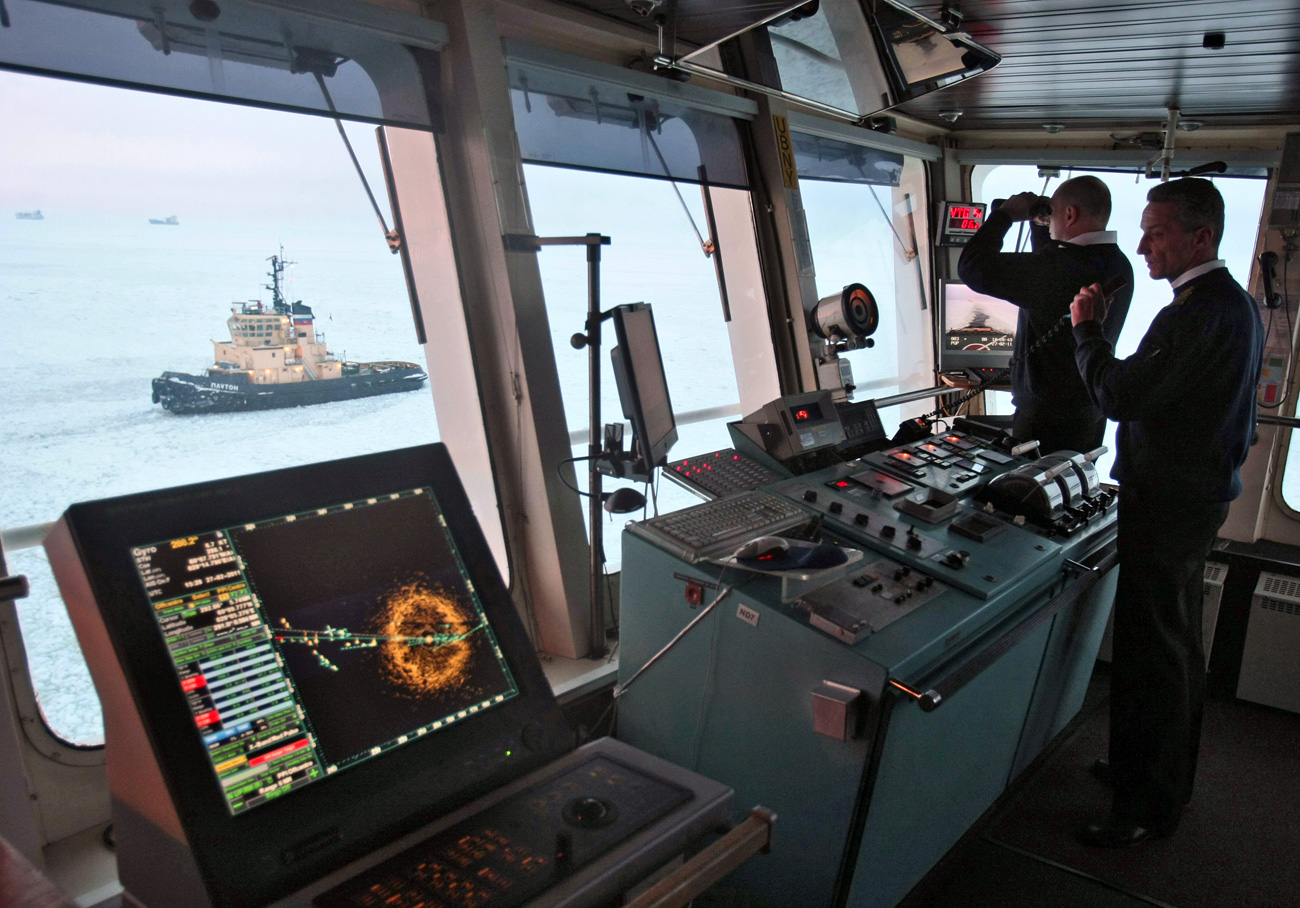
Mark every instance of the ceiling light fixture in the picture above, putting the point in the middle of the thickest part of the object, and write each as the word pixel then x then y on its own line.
pixel 1053 128
pixel 950 116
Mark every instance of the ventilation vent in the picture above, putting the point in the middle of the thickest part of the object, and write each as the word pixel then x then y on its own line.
pixel 1279 586
pixel 1214 572
pixel 1279 605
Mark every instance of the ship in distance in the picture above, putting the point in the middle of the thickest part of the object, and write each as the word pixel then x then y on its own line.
pixel 170 221
pixel 275 358
pixel 30 215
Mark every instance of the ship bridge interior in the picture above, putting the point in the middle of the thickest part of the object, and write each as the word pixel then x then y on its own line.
pixel 468 190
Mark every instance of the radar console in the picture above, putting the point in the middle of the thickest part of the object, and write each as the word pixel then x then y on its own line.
pixel 308 672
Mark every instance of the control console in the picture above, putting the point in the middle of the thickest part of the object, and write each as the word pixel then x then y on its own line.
pixel 521 846
pixel 719 473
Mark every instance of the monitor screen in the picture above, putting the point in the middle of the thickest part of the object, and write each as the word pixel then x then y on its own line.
pixel 642 386
pixel 305 648
pixel 321 657
pixel 978 330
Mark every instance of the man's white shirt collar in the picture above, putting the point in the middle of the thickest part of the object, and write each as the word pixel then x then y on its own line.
pixel 1093 238
pixel 1203 268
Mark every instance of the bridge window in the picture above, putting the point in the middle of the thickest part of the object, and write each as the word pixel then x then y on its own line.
pixel 867 224
pixel 653 257
pixel 137 299
pixel 617 153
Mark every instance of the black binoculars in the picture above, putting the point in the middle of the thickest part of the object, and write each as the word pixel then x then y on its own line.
pixel 1040 209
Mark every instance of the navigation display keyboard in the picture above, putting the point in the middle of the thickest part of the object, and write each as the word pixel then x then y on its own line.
pixel 717 528
pixel 720 473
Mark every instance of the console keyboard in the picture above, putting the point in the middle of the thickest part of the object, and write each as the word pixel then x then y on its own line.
pixel 717 528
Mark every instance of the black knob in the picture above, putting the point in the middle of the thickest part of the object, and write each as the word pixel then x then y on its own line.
pixel 887 531
pixel 836 507
pixel 913 541
pixel 809 495
pixel 862 520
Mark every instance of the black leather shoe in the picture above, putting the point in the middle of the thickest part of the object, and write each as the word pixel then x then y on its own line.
pixel 1100 770
pixel 1115 833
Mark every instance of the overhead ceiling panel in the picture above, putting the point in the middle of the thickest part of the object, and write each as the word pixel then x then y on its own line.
pixel 1080 62
pixel 1075 62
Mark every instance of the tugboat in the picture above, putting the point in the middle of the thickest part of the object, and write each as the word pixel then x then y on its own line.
pixel 170 221
pixel 275 358
pixel 30 215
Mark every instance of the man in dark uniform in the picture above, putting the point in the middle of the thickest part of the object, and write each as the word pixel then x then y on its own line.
pixel 1185 402
pixel 1052 405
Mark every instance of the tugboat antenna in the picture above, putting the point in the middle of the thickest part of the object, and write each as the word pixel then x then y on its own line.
pixel 278 300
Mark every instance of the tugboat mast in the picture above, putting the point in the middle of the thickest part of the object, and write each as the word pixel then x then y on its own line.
pixel 278 302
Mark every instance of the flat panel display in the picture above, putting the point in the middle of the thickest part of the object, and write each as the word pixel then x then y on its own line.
pixel 977 330
pixel 304 649
pixel 642 385
pixel 322 658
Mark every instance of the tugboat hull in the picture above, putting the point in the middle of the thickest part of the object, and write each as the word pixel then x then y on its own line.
pixel 181 393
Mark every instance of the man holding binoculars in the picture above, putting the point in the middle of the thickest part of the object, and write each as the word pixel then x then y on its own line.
pixel 1052 404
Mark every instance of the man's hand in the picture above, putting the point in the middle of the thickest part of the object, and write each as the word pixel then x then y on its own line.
pixel 1089 305
pixel 1017 207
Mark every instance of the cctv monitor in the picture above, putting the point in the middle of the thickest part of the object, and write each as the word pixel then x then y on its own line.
pixel 297 667
pixel 978 330
pixel 642 386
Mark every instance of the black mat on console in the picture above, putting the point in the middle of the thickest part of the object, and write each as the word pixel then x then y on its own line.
pixel 1239 842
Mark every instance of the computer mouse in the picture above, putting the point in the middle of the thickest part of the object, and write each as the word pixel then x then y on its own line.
pixel 623 500
pixel 762 547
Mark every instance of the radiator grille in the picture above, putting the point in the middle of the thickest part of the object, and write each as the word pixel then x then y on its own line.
pixel 1278 586
pixel 1279 605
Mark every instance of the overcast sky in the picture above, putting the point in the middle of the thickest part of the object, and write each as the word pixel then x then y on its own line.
pixel 71 146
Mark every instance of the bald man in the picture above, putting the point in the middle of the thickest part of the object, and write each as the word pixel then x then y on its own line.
pixel 1052 404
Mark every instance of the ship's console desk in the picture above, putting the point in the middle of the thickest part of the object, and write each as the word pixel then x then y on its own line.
pixel 881 706
pixel 317 691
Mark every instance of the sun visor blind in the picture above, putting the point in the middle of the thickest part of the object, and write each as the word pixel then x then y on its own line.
pixel 575 113
pixel 382 68
pixel 819 158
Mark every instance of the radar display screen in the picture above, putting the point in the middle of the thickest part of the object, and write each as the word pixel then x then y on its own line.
pixel 311 642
